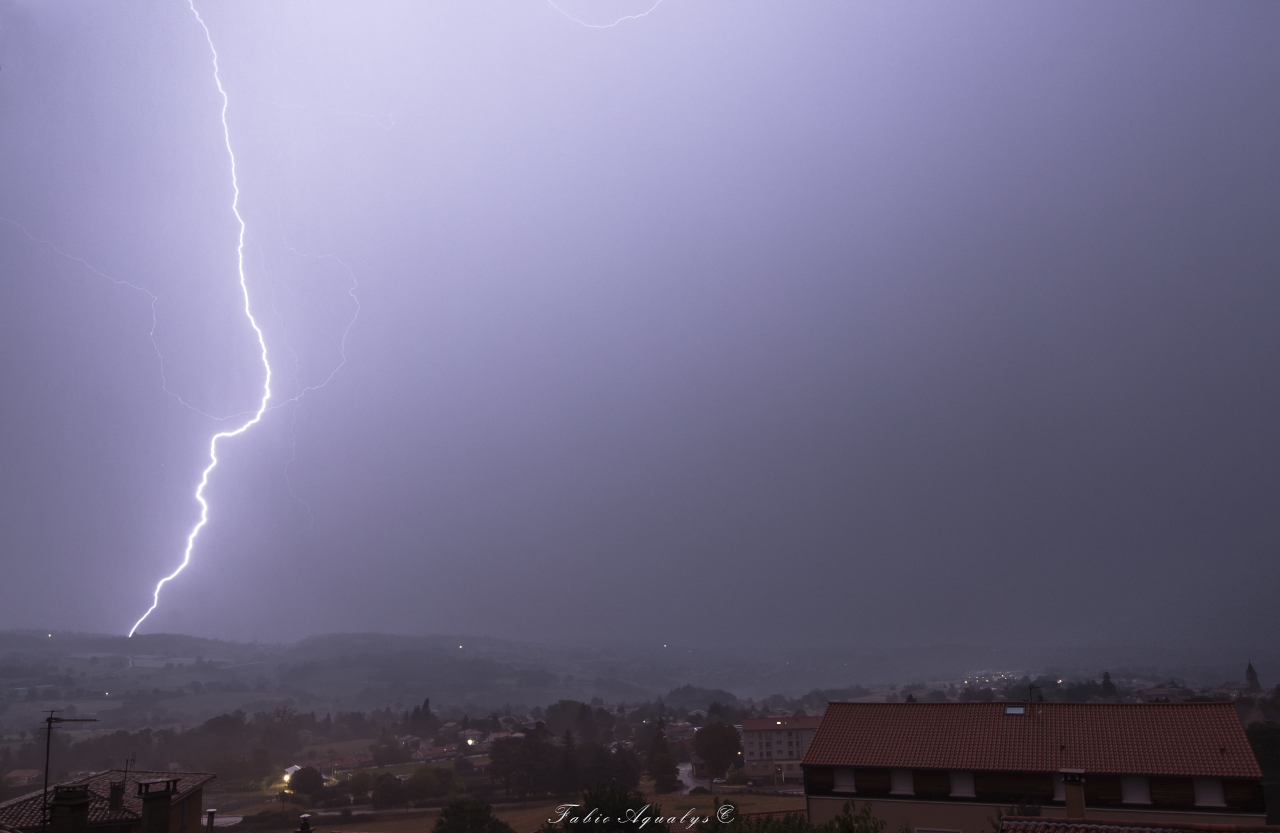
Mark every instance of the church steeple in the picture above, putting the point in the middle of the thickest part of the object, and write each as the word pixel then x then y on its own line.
pixel 1251 677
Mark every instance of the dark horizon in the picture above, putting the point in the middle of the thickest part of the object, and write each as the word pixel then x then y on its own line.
pixel 790 669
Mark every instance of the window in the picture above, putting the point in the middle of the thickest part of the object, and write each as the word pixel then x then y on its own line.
pixel 844 781
pixel 1015 709
pixel 901 782
pixel 1209 792
pixel 962 783
pixel 1059 787
pixel 1134 789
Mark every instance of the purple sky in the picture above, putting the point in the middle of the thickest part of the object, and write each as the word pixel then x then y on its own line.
pixel 834 323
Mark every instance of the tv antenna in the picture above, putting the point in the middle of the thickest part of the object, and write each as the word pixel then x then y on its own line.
pixel 48 742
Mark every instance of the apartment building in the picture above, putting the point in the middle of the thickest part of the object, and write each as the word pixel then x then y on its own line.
pixel 772 747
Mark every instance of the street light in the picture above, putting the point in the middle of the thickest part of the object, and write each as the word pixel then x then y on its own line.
pixel 48 739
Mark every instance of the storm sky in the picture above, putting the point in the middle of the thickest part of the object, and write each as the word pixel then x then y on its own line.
pixel 822 323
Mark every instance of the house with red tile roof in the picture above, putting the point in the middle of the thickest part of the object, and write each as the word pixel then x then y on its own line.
pixel 961 766
pixel 112 802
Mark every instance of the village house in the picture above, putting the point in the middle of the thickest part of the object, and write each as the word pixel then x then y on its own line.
pixel 958 766
pixel 113 802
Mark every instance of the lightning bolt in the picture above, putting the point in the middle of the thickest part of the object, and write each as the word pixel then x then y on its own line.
pixel 604 25
pixel 153 302
pixel 248 311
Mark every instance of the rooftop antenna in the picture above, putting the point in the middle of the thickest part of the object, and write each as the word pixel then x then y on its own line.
pixel 48 742
pixel 128 762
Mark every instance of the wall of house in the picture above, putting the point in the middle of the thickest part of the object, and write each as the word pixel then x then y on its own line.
pixel 184 815
pixel 1105 792
pixel 972 817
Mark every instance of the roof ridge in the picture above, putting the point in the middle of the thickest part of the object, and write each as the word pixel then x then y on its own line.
pixel 1129 824
pixel 1216 705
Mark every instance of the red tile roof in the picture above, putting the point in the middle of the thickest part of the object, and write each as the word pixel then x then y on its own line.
pixel 765 724
pixel 1178 739
pixel 25 811
pixel 1023 824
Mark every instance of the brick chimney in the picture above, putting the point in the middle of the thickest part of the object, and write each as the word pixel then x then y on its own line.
pixel 115 797
pixel 1073 787
pixel 157 798
pixel 69 810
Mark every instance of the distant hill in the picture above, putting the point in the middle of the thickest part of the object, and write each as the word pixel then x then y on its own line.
pixel 174 678
pixel 692 697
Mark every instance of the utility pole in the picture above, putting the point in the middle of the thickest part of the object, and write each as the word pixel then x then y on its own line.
pixel 48 742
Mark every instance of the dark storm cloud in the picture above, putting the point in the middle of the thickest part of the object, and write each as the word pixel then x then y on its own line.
pixel 859 324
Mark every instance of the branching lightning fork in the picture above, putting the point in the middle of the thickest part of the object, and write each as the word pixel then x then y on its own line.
pixel 248 311
pixel 153 301
pixel 605 25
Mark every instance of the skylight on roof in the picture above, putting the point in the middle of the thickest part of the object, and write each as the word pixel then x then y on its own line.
pixel 1015 709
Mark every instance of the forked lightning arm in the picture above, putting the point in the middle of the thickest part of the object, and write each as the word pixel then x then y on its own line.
pixel 605 25
pixel 248 311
